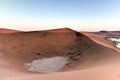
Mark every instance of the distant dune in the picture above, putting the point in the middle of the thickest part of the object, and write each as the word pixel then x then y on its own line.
pixel 91 56
pixel 61 30
pixel 8 30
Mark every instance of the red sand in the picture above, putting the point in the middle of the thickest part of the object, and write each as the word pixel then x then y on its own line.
pixel 98 59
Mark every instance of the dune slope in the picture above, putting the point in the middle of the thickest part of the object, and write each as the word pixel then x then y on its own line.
pixel 87 58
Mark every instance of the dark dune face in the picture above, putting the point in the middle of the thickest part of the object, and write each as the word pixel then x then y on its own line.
pixel 22 47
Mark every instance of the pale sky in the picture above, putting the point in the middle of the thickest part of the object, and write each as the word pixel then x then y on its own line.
pixel 81 15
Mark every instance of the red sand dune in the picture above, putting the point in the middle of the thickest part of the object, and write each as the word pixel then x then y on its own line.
pixel 8 30
pixel 91 56
pixel 61 30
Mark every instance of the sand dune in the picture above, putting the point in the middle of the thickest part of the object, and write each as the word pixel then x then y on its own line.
pixel 91 56
pixel 2 30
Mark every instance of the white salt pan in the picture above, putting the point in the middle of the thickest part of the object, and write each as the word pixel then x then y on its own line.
pixel 116 40
pixel 118 45
pixel 47 65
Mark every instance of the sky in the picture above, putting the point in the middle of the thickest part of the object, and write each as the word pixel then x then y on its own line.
pixel 80 15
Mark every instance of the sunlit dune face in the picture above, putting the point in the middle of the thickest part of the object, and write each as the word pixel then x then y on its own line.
pixel 91 35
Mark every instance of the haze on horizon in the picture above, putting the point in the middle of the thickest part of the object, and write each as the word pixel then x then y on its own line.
pixel 81 15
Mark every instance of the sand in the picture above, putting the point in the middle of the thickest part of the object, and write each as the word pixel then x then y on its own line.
pixel 2 30
pixel 92 57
